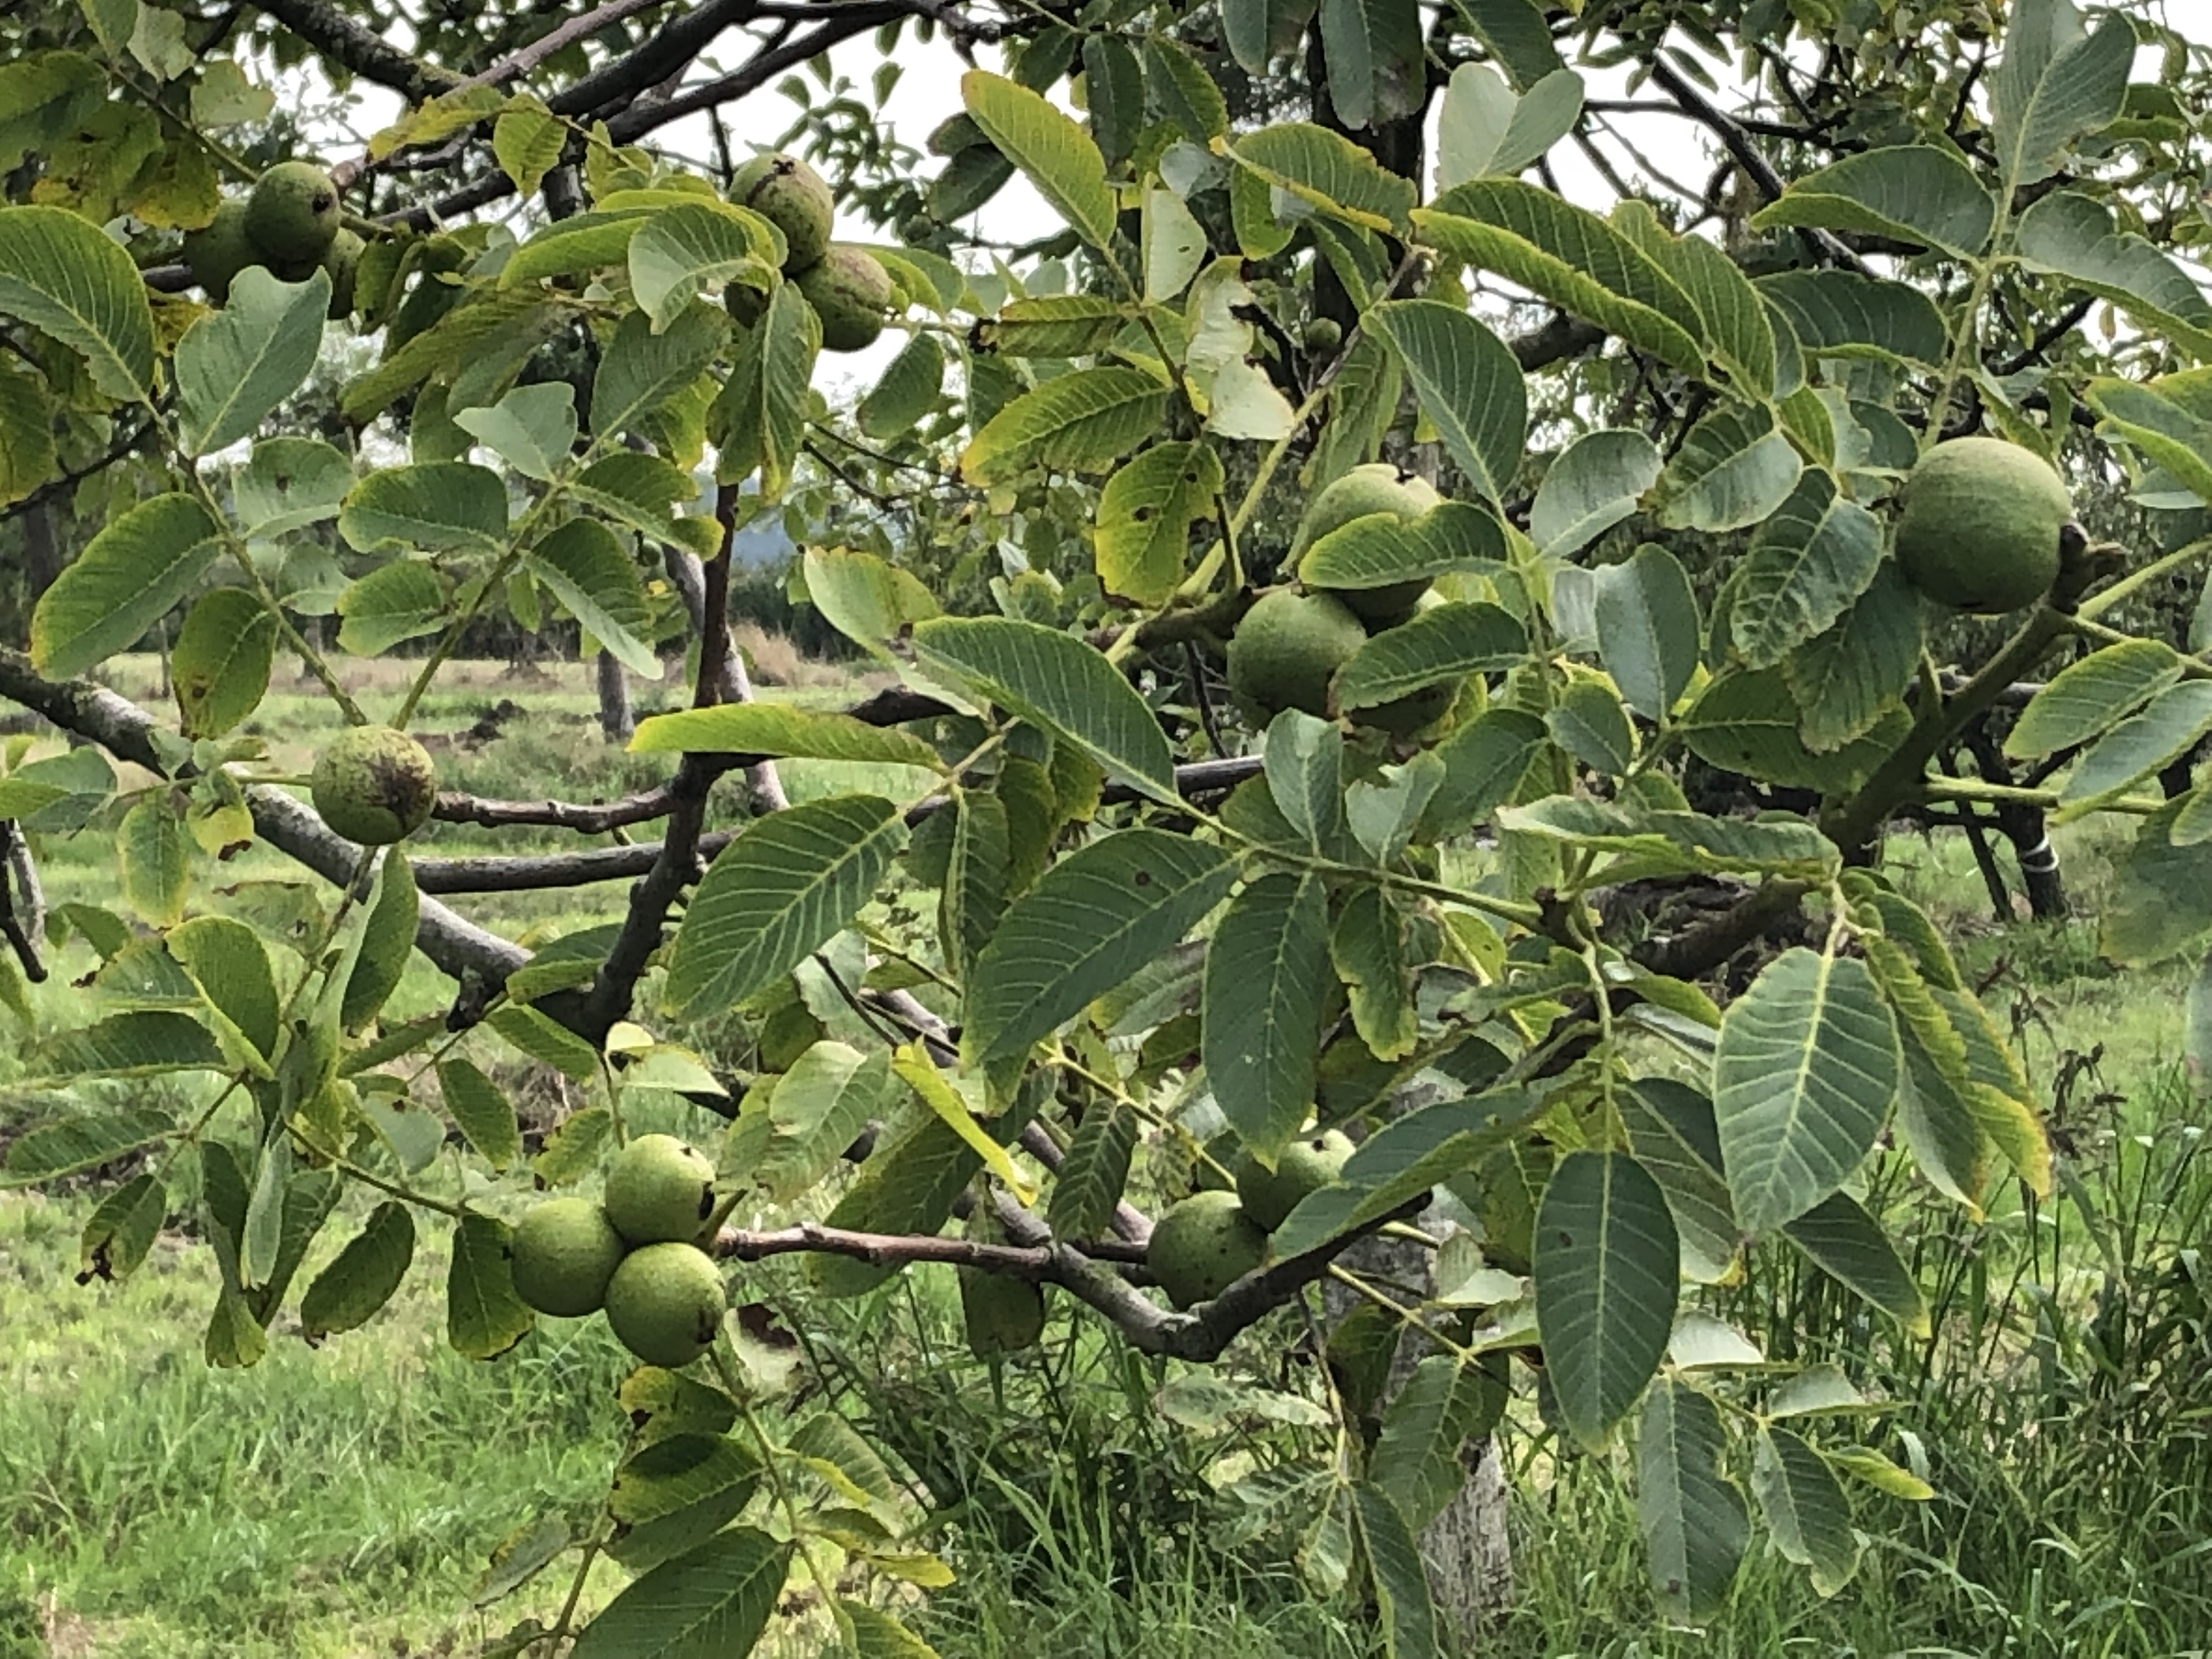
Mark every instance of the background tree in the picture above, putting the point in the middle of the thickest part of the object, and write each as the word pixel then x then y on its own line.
pixel 1585 714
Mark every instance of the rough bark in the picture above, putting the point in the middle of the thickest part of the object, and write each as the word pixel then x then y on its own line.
pixel 617 719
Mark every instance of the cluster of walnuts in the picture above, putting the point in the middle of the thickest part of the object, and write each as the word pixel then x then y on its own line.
pixel 848 287
pixel 289 222
pixel 1204 1244
pixel 635 1254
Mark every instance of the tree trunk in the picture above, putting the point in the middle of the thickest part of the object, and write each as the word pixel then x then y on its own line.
pixel 2025 827
pixel 683 570
pixel 616 719
pixel 42 549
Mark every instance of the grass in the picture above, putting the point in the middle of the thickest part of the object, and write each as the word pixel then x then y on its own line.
pixel 340 1502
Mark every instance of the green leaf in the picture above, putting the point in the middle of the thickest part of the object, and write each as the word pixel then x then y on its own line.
pixel 1330 172
pixel 1053 325
pixel 1416 1463
pixel 125 580
pixel 1648 628
pixel 1733 469
pixel 1144 517
pixel 1804 1509
pixel 1367 946
pixel 682 249
pixel 589 241
pixel 1304 768
pixel 2168 419
pixel 2055 84
pixel 2162 902
pixel 1749 722
pixel 1840 313
pixel 387 942
pixel 585 566
pixel 484 1316
pixel 362 1277
pixel 1373 51
pixel 1094 920
pixel 26 434
pixel 137 1044
pixel 1588 722
pixel 219 666
pixel 1052 151
pixel 760 419
pixel 1114 94
pixel 239 362
pixel 154 855
pixel 674 1494
pixel 909 1185
pixel 1738 330
pixel 1484 129
pixel 1596 482
pixel 1849 1245
pixel 2169 725
pixel 1846 678
pixel 434 506
pixel 1815 554
pixel 2073 236
pixel 2086 698
pixel 480 1111
pixel 910 389
pixel 1267 991
pixel 779 730
pixel 1485 762
pixel 288 484
pixel 85 1141
pixel 1915 192
pixel 533 429
pixel 1379 550
pixel 868 601
pixel 1469 384
pixel 1082 422
pixel 402 600
pixel 643 368
pixel 1181 89
pixel 775 894
pixel 873 1635
pixel 61 275
pixel 1671 1131
pixel 1678 842
pixel 1518 35
pixel 1605 1267
pixel 115 1242
pixel 816 1111
pixel 1528 235
pixel 1447 643
pixel 1692 1514
pixel 1806 1070
pixel 1061 683
pixel 526 141
pixel 711 1603
pixel 1400 1581
pixel 1096 1172
pixel 228 962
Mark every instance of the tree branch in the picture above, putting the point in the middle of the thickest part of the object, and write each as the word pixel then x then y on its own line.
pixel 356 47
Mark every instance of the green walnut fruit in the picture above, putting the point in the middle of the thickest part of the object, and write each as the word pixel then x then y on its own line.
pixel 293 212
pixel 1321 336
pixel 666 1303
pixel 219 250
pixel 1306 1166
pixel 1982 526
pixel 851 293
pixel 1286 650
pixel 373 786
pixel 1001 1314
pixel 659 1189
pixel 1377 487
pixel 792 197
pixel 1203 1245
pixel 340 263
pixel 565 1252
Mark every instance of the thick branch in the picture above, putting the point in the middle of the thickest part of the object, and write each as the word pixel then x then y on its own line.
pixel 360 49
